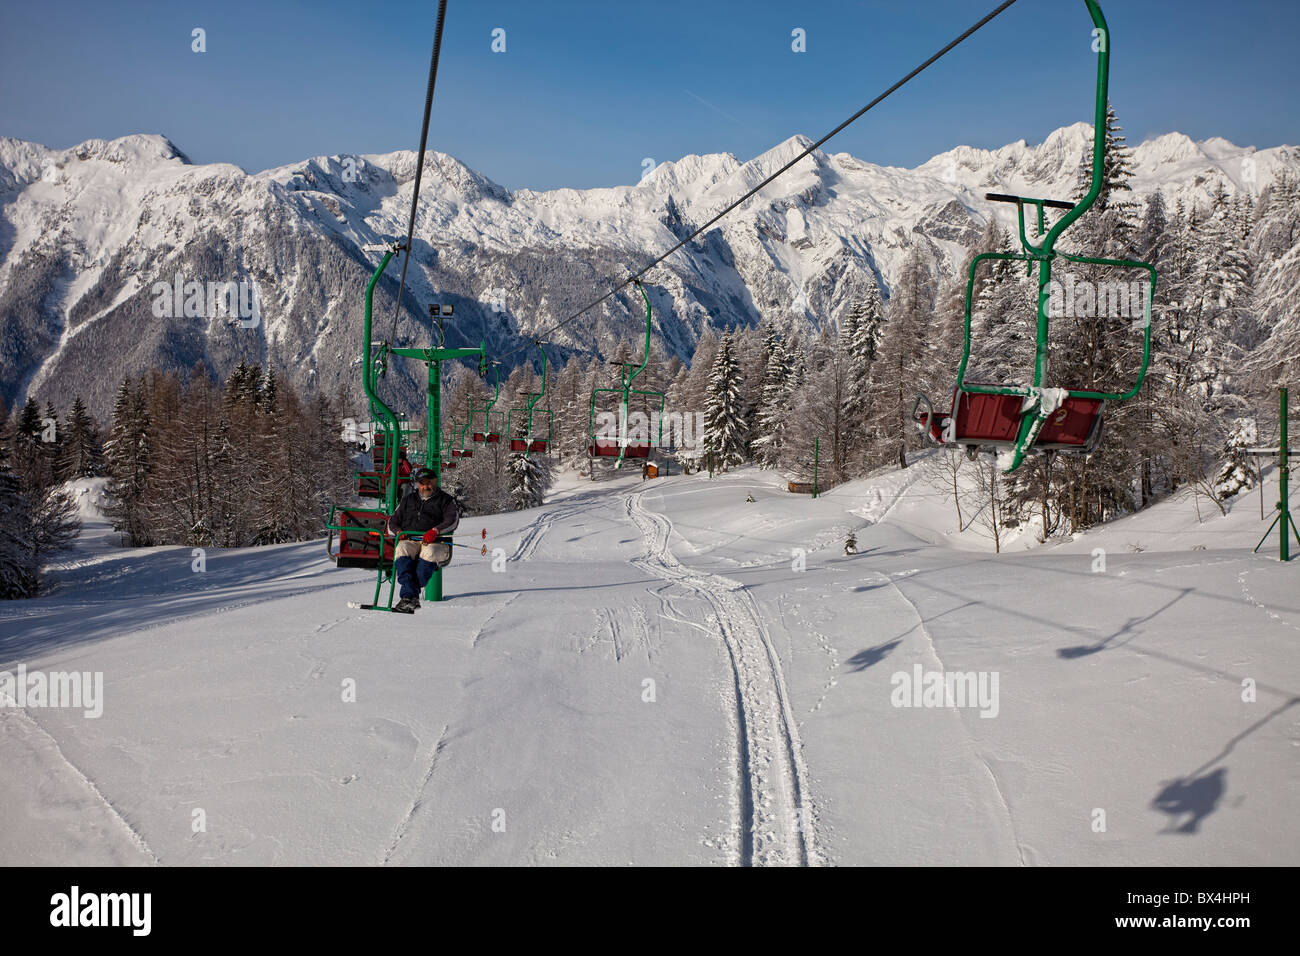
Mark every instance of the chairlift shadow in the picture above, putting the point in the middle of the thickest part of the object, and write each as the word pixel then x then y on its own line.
pixel 1192 797
pixel 872 655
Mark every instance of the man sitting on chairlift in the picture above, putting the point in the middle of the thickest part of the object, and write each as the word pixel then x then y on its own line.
pixel 430 513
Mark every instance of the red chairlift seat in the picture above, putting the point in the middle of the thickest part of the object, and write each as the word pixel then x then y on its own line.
pixel 608 448
pixel 531 445
pixel 371 484
pixel 984 420
pixel 492 438
pixel 362 542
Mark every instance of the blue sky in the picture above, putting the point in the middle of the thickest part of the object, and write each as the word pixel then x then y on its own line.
pixel 585 91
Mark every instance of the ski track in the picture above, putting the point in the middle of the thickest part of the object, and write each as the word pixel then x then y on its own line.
pixel 131 833
pixel 970 739
pixel 533 534
pixel 773 809
pixel 478 634
pixel 417 801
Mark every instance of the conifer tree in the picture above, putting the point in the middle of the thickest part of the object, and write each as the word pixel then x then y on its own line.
pixel 18 566
pixel 724 413
pixel 82 449
pixel 529 479
pixel 126 462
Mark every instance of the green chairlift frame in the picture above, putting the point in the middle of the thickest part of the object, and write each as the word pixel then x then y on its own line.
pixel 375 364
pixel 490 436
pixel 1044 253
pixel 628 374
pixel 531 439
pixel 456 437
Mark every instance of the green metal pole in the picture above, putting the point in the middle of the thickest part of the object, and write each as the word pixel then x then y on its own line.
pixel 816 461
pixel 433 458
pixel 376 403
pixel 1283 506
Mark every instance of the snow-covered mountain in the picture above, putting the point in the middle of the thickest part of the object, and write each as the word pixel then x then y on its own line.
pixel 88 234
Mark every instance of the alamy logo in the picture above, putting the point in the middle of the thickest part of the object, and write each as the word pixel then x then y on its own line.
pixel 1076 299
pixel 207 300
pixel 75 689
pixel 102 909
pixel 923 688
pixel 678 429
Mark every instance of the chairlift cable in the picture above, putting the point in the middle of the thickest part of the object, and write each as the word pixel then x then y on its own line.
pixel 419 166
pixel 893 89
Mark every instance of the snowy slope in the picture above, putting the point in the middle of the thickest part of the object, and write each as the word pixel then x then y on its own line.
pixel 514 724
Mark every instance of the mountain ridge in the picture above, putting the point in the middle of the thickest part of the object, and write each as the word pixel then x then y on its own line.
pixel 86 233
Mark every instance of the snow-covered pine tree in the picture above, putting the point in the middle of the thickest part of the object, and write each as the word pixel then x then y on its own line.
pixel 869 322
pixel 1115 196
pixel 724 413
pixel 750 350
pixel 775 411
pixel 861 344
pixel 1225 260
pixel 529 478
pixel 1151 234
pixel 1236 474
pixel 1279 218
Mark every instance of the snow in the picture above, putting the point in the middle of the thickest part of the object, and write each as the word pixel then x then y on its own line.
pixel 514 723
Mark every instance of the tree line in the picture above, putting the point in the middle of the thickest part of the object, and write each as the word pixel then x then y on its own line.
pixel 249 462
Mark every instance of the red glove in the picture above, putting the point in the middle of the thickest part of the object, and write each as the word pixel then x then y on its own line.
pixel 430 536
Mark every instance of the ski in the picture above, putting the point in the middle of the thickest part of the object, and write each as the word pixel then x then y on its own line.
pixel 357 606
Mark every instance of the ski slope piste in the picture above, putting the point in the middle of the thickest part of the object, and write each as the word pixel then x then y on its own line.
pixel 668 673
